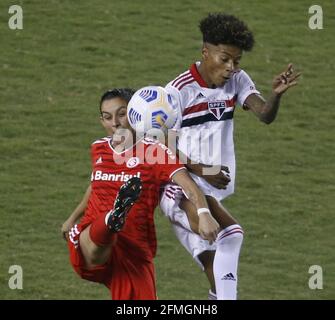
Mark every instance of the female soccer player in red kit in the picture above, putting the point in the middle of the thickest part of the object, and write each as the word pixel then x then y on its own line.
pixel 115 241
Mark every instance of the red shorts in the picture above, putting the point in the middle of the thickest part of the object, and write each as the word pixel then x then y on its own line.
pixel 127 277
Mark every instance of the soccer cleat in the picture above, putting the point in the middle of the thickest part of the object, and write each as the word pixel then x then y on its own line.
pixel 127 196
pixel 211 295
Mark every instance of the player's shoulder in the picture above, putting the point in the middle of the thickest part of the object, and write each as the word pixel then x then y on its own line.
pixel 182 81
pixel 156 144
pixel 101 142
pixel 241 75
pixel 149 141
pixel 183 88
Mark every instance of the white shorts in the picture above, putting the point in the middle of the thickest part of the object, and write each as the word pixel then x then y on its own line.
pixel 209 190
pixel 192 242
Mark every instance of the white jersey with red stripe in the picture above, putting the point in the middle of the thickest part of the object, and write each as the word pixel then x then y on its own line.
pixel 205 122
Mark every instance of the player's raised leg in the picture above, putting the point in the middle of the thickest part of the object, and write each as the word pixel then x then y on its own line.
pixel 98 238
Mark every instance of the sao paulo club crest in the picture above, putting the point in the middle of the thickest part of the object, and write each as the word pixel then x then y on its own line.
pixel 217 108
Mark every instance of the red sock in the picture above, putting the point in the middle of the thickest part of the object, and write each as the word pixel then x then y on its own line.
pixel 100 233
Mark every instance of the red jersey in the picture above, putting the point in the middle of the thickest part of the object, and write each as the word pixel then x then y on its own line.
pixel 149 160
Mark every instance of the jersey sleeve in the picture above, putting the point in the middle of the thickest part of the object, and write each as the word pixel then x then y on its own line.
pixel 177 100
pixel 167 164
pixel 93 155
pixel 245 87
pixel 96 147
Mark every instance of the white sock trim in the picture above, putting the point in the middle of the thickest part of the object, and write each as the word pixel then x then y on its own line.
pixel 233 229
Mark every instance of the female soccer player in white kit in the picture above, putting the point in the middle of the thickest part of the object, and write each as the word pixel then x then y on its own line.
pixel 206 96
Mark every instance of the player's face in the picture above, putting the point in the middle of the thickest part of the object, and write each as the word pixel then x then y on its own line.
pixel 219 63
pixel 114 115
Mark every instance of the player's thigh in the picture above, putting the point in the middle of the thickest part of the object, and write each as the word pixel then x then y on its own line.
pixel 221 214
pixel 133 278
pixel 93 254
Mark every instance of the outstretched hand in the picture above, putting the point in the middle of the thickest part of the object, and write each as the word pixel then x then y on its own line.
pixel 285 80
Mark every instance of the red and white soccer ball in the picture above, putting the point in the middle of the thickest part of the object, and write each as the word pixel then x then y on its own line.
pixel 151 108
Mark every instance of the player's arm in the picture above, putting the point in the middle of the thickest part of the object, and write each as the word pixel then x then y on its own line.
pixel 76 214
pixel 266 110
pixel 217 176
pixel 208 226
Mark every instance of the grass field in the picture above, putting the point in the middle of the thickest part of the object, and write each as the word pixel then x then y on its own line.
pixel 51 76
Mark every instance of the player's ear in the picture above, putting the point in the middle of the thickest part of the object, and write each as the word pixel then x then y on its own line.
pixel 101 120
pixel 204 51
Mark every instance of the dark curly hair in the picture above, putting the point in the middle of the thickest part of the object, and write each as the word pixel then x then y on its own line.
pixel 219 28
pixel 123 93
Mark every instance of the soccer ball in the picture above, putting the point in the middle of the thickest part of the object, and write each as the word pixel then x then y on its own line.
pixel 151 108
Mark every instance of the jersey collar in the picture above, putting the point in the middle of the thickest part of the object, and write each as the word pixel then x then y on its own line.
pixel 196 75
pixel 110 143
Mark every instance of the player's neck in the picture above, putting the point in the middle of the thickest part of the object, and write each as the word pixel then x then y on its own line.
pixel 202 71
pixel 118 147
pixel 122 143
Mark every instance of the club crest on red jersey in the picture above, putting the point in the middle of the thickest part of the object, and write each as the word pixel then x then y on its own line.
pixel 132 162
pixel 217 108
